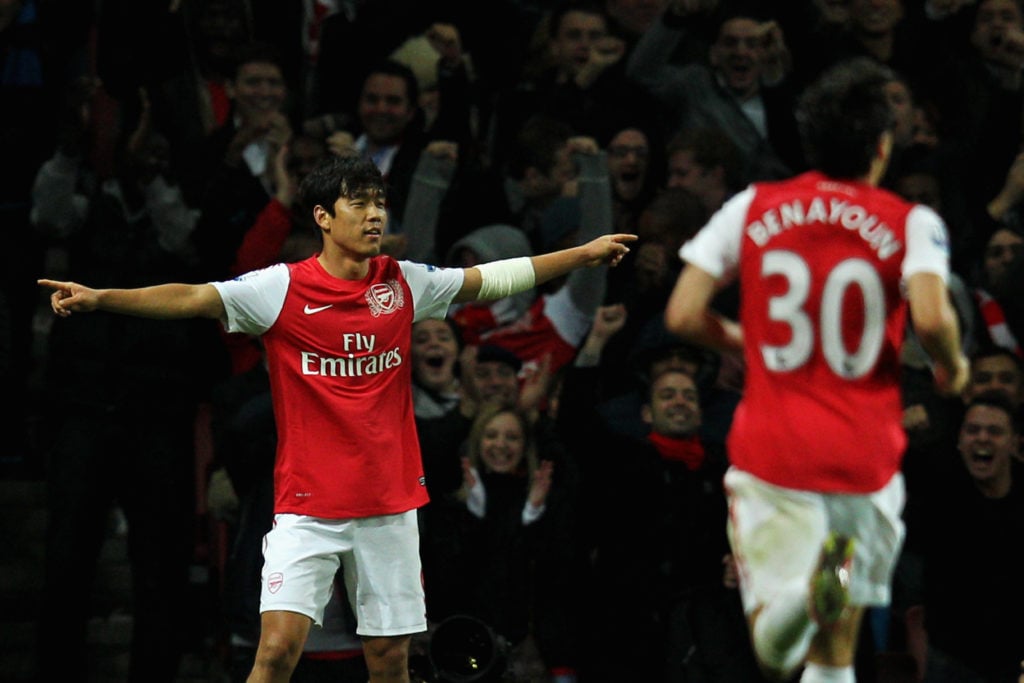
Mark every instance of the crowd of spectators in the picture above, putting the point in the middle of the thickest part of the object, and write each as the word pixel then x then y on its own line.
pixel 573 449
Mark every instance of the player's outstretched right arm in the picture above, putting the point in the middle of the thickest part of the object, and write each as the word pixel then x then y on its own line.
pixel 169 301
pixel 935 323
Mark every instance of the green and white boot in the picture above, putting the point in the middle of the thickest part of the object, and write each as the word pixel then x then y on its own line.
pixel 830 584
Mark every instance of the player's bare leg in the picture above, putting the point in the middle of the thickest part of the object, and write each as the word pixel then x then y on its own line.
pixel 282 636
pixel 836 646
pixel 387 658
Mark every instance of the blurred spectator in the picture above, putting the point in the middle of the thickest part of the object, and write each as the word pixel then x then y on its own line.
pixel 624 373
pixel 707 163
pixel 932 424
pixel 742 89
pixel 489 243
pixel 548 334
pixel 283 215
pixel 981 95
pixel 281 219
pixel 634 165
pixel 582 82
pixel 895 33
pixel 995 368
pixel 389 131
pixel 436 345
pixel 193 102
pixel 431 182
pixel 39 52
pixel 297 28
pixel 663 542
pixel 131 387
pixel 487 374
pixel 999 291
pixel 510 516
pixel 929 419
pixel 630 18
pixel 872 28
pixel 647 276
pixel 932 175
pixel 1004 209
pixel 489 379
pixel 239 171
pixel 447 83
pixel 541 169
pixel 138 44
pixel 356 39
pixel 971 553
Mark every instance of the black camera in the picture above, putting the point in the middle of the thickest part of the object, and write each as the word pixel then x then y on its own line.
pixel 464 649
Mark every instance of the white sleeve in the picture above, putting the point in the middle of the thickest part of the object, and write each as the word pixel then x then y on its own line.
pixel 57 207
pixel 927 244
pixel 570 321
pixel 476 501
pixel 716 248
pixel 433 288
pixel 173 219
pixel 252 302
pixel 531 513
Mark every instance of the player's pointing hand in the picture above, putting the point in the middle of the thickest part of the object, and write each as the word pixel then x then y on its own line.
pixel 69 297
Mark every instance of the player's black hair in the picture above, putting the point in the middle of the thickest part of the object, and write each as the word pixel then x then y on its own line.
pixel 843 114
pixel 334 177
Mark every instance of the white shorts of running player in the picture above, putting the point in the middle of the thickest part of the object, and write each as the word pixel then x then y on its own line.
pixel 777 533
pixel 380 560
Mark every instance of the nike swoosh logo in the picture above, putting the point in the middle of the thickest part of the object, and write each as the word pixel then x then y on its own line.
pixel 310 311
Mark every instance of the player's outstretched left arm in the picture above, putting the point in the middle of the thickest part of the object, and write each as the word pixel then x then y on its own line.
pixel 498 279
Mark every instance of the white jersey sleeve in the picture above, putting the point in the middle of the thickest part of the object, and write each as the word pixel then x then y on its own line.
pixel 571 323
pixel 253 301
pixel 716 248
pixel 927 244
pixel 433 288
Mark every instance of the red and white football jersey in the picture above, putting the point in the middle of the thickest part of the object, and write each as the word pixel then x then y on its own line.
pixel 821 266
pixel 340 376
pixel 553 327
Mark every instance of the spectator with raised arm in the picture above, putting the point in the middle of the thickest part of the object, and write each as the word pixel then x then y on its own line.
pixel 741 89
pixel 663 542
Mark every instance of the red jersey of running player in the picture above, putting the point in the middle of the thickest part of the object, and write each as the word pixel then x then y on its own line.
pixel 821 266
pixel 338 359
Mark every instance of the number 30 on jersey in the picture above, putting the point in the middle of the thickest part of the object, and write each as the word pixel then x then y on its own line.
pixel 788 309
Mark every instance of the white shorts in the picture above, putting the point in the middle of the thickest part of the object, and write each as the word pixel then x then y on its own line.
pixel 380 558
pixel 776 535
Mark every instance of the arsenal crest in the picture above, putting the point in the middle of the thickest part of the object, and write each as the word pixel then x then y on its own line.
pixel 385 297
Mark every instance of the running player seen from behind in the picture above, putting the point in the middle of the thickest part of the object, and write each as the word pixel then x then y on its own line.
pixel 348 478
pixel 826 263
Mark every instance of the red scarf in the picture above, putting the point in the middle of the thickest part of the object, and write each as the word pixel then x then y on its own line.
pixel 687 450
pixel 995 320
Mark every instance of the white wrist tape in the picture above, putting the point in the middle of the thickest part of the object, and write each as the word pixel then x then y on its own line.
pixel 508 276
